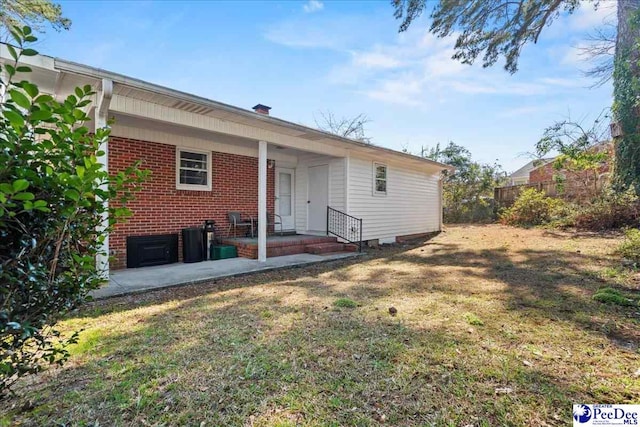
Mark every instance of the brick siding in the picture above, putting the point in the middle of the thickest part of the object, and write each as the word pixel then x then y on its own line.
pixel 160 208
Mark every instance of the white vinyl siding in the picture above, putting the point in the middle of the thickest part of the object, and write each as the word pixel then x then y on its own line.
pixel 411 205
pixel 336 184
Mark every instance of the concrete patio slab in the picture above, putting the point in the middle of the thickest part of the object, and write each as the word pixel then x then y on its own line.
pixel 136 280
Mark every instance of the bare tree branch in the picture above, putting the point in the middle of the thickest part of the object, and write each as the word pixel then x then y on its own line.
pixel 600 49
pixel 352 128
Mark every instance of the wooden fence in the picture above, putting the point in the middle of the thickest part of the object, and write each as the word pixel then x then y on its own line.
pixel 505 196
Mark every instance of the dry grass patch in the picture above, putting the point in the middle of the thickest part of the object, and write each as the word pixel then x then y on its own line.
pixel 494 326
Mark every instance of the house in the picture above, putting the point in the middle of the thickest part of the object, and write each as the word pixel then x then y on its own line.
pixel 548 172
pixel 521 176
pixel 208 158
pixel 569 183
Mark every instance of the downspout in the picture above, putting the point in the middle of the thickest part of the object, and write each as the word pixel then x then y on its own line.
pixel 440 201
pixel 101 112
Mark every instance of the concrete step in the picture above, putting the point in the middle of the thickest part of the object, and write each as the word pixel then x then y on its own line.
pixel 324 248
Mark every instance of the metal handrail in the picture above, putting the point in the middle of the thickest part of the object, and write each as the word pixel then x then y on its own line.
pixel 344 226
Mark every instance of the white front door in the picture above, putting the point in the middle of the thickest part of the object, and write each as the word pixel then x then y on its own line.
pixel 284 198
pixel 318 198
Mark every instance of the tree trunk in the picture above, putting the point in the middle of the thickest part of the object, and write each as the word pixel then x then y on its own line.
pixel 625 83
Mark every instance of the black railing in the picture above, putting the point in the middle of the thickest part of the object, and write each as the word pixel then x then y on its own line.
pixel 344 226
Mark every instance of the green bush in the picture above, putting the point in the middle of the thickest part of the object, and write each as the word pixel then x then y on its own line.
pixel 533 207
pixel 630 247
pixel 52 204
pixel 611 210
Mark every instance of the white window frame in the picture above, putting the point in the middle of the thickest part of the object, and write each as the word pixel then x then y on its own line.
pixel 386 179
pixel 193 187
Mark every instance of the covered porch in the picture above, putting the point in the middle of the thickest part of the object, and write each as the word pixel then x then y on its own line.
pixel 255 178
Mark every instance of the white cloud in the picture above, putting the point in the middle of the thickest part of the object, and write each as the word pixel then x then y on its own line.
pixel 405 90
pixel 319 31
pixel 415 67
pixel 418 67
pixel 313 6
pixel 375 60
pixel 523 111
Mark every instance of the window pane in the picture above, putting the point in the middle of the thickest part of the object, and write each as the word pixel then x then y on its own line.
pixel 193 168
pixel 285 183
pixel 191 164
pixel 193 160
pixel 284 205
pixel 381 186
pixel 193 177
pixel 193 156
pixel 381 172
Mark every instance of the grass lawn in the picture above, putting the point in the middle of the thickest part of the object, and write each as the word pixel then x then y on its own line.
pixel 494 326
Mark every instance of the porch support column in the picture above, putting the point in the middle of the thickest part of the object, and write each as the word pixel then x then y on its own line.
pixel 262 201
pixel 102 108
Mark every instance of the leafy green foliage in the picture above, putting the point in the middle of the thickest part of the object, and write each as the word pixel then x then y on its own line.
pixel 53 190
pixel 630 247
pixel 532 207
pixel 491 28
pixel 583 156
pixel 610 210
pixel 468 192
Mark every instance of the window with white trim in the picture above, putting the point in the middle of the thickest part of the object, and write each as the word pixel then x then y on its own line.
pixel 193 170
pixel 379 179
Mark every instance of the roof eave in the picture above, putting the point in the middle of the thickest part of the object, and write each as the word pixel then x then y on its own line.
pixel 98 73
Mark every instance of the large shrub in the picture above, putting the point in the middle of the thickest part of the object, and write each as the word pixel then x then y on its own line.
pixel 532 207
pixel 611 210
pixel 52 200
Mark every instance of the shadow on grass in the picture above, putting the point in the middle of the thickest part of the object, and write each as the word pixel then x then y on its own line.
pixel 549 284
pixel 227 362
pixel 270 349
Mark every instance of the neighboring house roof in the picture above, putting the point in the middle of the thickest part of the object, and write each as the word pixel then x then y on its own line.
pixel 523 172
pixel 200 105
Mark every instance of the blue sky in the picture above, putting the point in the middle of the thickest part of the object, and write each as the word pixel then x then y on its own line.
pixel 303 57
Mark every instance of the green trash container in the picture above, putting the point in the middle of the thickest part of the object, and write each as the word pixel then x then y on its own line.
pixel 223 251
